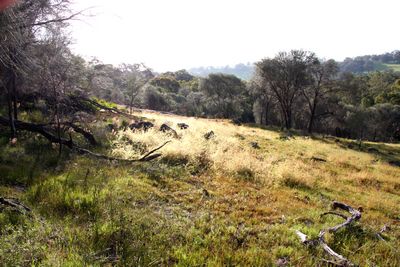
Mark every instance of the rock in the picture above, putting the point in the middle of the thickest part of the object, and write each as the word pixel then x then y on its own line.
pixel 166 129
pixel 209 135
pixel 255 145
pixel 183 126
pixel 141 125
pixel 237 122
pixel 281 262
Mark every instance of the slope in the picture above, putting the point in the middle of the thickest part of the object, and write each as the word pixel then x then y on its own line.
pixel 233 199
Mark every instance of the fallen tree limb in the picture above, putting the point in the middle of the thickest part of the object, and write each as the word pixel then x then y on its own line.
pixel 147 157
pixel 15 204
pixel 334 213
pixel 85 133
pixel 89 137
pixel 385 228
pixel 41 129
pixel 355 216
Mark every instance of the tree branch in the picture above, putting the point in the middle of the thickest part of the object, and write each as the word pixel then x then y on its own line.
pixel 355 216
pixel 40 128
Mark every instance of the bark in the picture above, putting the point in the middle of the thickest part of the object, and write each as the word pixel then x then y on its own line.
pixel 312 116
pixel 11 119
pixel 14 95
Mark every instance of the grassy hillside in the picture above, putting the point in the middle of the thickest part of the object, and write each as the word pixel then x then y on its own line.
pixel 235 199
pixel 395 67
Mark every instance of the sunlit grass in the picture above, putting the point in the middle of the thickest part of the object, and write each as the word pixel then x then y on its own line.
pixel 213 202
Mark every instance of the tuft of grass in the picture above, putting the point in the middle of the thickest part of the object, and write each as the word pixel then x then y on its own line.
pixel 246 174
pixel 294 183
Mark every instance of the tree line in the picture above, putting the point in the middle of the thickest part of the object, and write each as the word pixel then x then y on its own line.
pixel 42 80
pixel 370 63
pixel 294 89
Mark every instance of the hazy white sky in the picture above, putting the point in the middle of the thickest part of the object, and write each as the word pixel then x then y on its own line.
pixel 177 34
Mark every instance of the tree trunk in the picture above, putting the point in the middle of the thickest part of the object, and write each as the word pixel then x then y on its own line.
pixel 312 117
pixel 286 116
pixel 288 119
pixel 11 112
pixel 14 95
pixel 266 110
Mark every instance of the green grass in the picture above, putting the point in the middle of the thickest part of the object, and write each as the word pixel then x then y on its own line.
pixel 203 203
pixel 395 67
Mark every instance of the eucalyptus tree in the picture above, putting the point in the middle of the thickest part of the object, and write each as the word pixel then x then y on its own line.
pixel 286 75
pixel 320 76
pixel 134 77
pixel 224 95
pixel 262 96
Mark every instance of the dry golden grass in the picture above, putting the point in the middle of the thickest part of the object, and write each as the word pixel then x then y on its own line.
pixel 280 178
pixel 226 150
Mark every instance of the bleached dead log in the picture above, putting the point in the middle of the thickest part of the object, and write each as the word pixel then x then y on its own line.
pixel 355 216
pixel 383 229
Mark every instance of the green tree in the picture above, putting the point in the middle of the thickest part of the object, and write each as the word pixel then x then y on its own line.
pixel 286 75
pixel 225 95
pixel 321 75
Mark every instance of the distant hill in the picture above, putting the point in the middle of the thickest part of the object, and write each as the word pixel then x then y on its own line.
pixel 394 67
pixel 360 64
pixel 369 63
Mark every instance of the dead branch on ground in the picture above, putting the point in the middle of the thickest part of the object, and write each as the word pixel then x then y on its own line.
pixel 355 215
pixel 15 204
pixel 44 131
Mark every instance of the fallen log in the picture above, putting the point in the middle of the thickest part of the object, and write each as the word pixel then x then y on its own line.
pixel 41 129
pixel 385 228
pixel 85 133
pixel 88 136
pixel 320 240
pixel 15 204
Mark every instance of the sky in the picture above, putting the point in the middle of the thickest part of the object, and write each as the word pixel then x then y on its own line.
pixel 180 34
